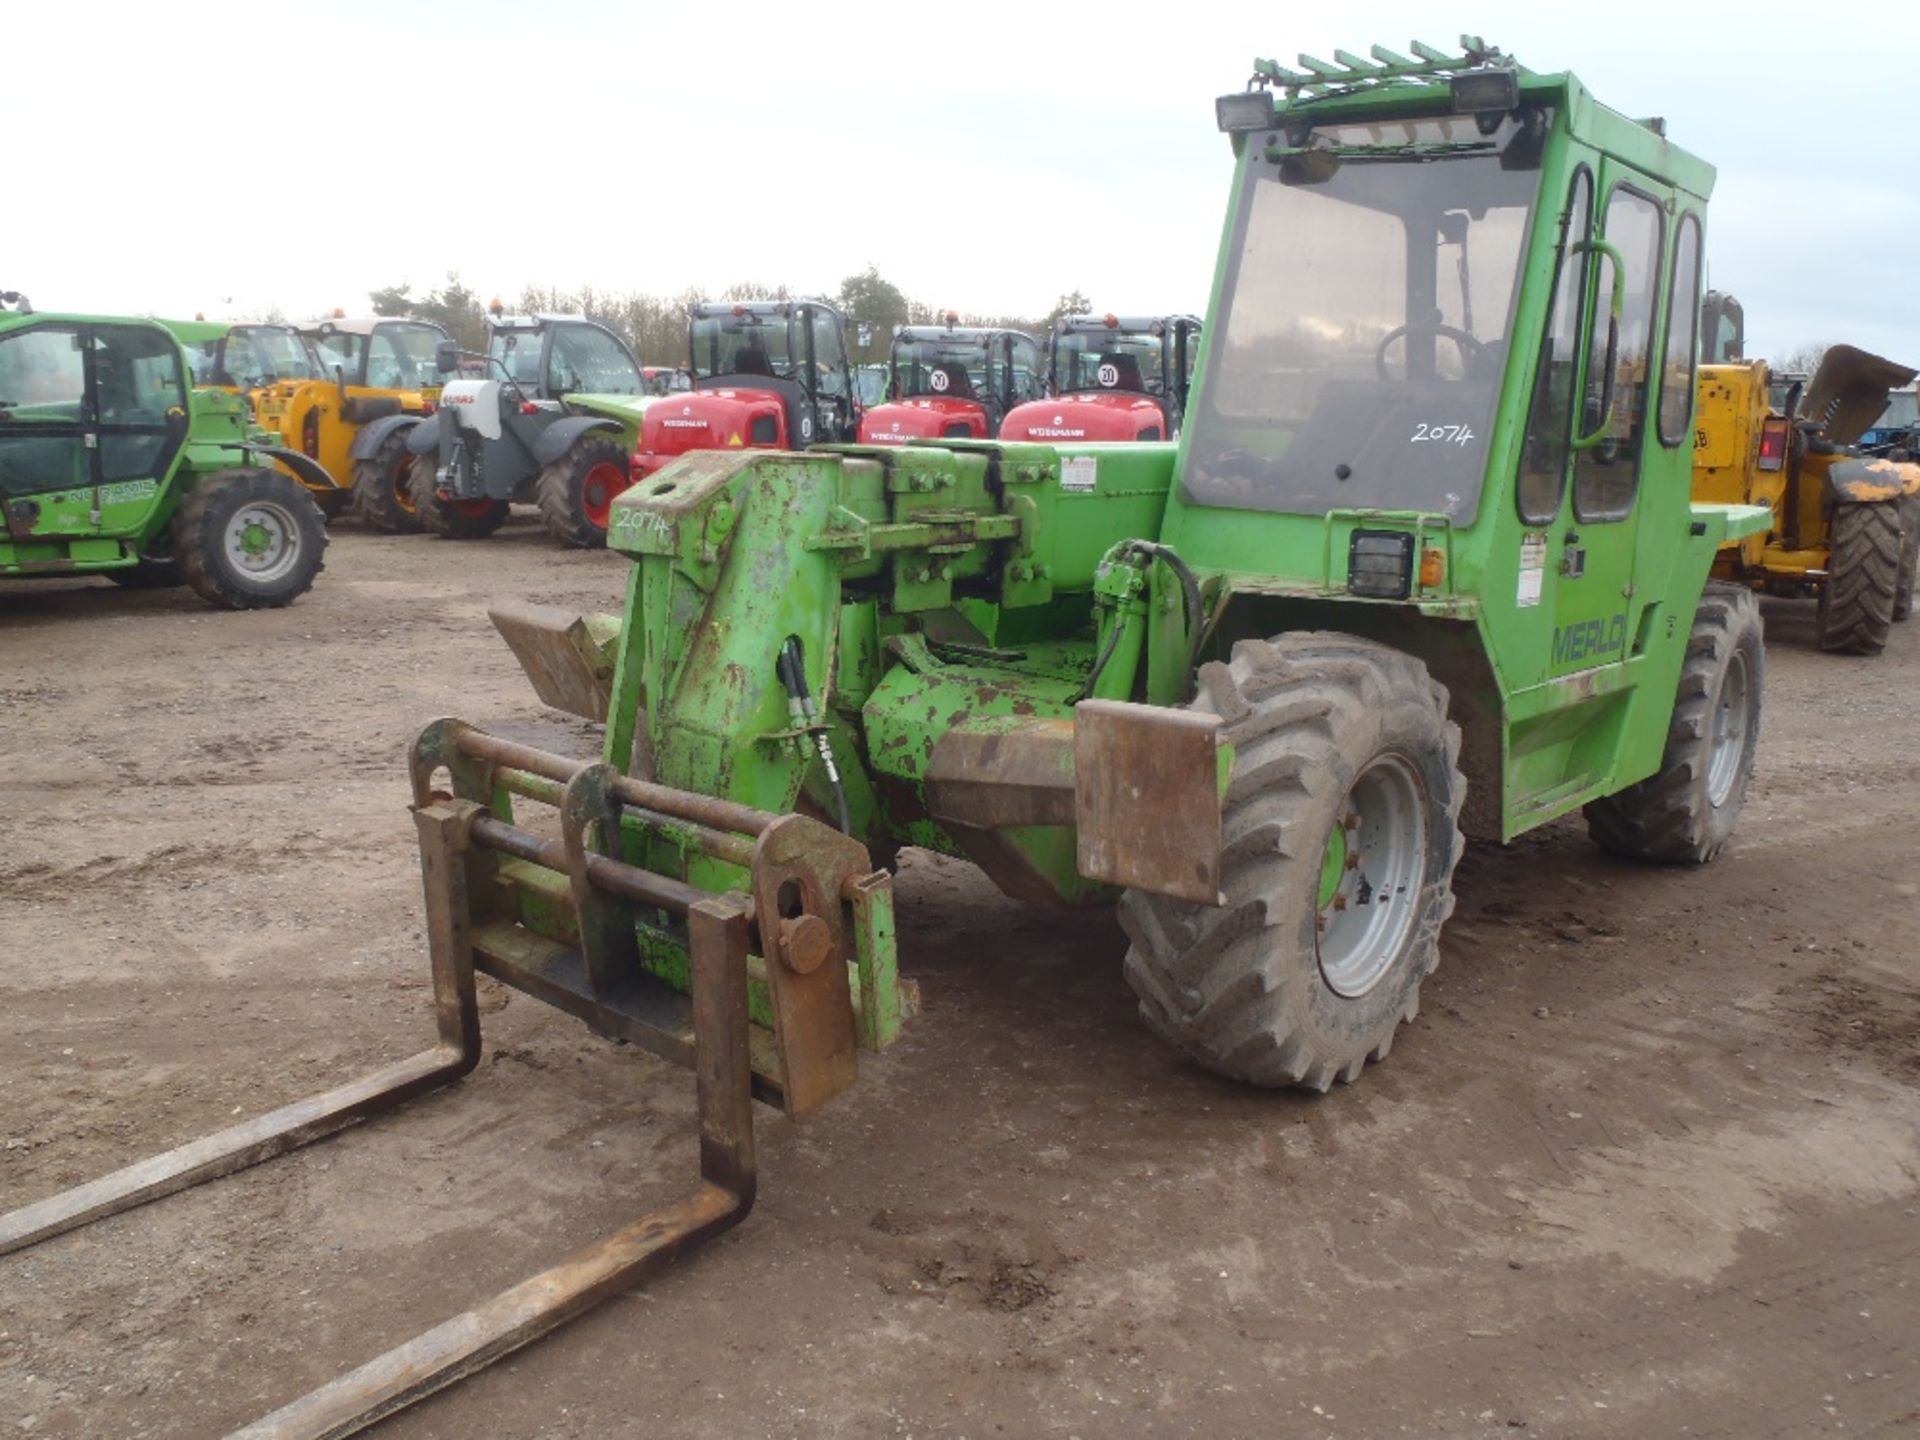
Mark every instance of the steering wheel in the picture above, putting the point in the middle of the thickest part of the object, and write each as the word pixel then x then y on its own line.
pixel 1470 348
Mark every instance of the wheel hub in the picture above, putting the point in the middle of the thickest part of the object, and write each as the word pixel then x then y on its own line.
pixel 263 540
pixel 1730 718
pixel 1371 877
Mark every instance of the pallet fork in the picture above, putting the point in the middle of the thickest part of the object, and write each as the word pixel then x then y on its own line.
pixel 560 920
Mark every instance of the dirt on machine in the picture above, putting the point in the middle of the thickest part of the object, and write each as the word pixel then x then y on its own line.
pixel 113 463
pixel 1422 566
pixel 1845 515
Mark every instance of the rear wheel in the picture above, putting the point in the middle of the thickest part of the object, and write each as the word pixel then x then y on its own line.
pixel 1341 833
pixel 383 487
pixel 1686 810
pixel 447 517
pixel 1863 577
pixel 576 492
pixel 249 539
pixel 1909 558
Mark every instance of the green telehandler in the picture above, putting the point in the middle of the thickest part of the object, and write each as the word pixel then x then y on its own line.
pixel 112 464
pixel 1423 562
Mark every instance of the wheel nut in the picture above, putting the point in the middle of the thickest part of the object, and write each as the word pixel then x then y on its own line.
pixel 805 942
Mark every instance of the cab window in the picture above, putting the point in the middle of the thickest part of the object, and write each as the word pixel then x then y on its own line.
pixel 1543 454
pixel 829 353
pixel 1683 334
pixel 1606 475
pixel 341 351
pixel 586 359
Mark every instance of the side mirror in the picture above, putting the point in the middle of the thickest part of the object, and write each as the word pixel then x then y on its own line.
pixel 446 357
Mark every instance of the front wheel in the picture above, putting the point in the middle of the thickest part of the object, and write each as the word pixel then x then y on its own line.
pixel 383 487
pixel 1858 599
pixel 446 516
pixel 1909 557
pixel 576 491
pixel 1340 832
pixel 1685 811
pixel 249 539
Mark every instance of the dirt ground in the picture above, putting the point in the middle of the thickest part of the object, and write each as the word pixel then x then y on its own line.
pixel 1647 1165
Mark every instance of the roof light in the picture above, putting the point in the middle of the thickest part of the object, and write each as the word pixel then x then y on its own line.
pixel 1484 91
pixel 494 307
pixel 1112 322
pixel 739 310
pixel 1247 110
pixel 952 318
pixel 338 313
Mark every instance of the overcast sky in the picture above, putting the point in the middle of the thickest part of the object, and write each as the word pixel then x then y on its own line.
pixel 229 159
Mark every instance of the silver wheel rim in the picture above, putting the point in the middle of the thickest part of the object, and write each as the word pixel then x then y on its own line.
pixel 263 540
pixel 1729 732
pixel 1363 924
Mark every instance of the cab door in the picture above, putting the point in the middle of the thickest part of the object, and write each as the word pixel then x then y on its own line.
pixel 1590 546
pixel 139 407
pixel 46 419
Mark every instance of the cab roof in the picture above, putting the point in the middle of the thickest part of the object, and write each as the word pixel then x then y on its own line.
pixel 1121 324
pixel 1386 83
pixel 359 324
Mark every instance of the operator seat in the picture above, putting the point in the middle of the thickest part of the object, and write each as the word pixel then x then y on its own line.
pixel 751 360
pixel 958 386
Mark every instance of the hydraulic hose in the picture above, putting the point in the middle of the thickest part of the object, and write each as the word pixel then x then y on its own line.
pixel 791 666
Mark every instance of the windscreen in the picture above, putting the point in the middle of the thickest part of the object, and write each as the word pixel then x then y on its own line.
pixel 956 368
pixel 400 356
pixel 1363 328
pixel 586 360
pixel 261 354
pixel 1107 359
pixel 750 344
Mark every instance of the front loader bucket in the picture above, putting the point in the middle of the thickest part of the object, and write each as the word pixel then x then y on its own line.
pixel 798 944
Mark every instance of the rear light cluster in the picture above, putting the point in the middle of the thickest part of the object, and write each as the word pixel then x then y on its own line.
pixel 1773 444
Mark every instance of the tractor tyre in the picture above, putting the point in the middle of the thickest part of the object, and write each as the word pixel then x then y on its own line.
pixel 576 492
pixel 449 518
pixel 1685 811
pixel 383 488
pixel 1863 577
pixel 249 539
pixel 1340 836
pixel 1909 558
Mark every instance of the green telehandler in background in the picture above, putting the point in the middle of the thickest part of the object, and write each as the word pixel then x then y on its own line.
pixel 111 463
pixel 1423 562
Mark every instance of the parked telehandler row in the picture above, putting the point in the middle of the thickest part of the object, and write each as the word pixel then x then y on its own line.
pixel 1422 563
pixel 1111 377
pixel 1843 524
pixel 112 463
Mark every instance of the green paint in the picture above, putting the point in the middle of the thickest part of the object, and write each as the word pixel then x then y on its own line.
pixel 1332 866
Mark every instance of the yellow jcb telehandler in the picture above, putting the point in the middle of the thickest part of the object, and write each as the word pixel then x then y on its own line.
pixel 1846 523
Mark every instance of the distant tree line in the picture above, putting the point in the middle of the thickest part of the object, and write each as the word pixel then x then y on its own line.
pixel 656 325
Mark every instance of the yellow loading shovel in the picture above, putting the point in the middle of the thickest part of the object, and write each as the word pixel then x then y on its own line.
pixel 815 910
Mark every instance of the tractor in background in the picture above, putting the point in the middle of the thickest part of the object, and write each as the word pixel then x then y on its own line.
pixel 952 382
pixel 244 356
pixel 767 375
pixel 113 463
pixel 1111 377
pixel 1845 522
pixel 550 423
